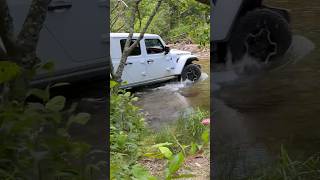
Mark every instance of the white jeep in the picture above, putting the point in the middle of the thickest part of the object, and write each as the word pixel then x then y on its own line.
pixel 152 61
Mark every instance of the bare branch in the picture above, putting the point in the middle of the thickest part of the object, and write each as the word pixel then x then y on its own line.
pixel 119 14
pixel 117 30
pixel 154 12
pixel 115 7
pixel 127 48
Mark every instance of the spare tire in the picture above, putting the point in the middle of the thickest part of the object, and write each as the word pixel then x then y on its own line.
pixel 192 72
pixel 262 33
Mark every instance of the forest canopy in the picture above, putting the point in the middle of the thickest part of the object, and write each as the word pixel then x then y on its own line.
pixel 177 20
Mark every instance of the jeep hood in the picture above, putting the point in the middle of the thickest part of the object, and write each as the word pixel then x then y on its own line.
pixel 179 52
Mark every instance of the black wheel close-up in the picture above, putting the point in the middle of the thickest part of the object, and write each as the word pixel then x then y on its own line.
pixel 191 72
pixel 263 34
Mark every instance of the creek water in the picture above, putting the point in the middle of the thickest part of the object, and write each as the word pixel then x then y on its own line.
pixel 166 102
pixel 254 116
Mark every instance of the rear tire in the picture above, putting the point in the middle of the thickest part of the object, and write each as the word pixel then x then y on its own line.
pixel 192 72
pixel 262 33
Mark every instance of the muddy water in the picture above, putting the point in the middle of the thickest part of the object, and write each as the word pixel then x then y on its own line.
pixel 166 102
pixel 256 115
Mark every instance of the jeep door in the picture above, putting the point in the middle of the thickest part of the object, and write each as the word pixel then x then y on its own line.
pixel 80 28
pixel 158 64
pixel 135 68
pixel 72 38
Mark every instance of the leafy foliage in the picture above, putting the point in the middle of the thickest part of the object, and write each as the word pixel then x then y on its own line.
pixel 34 136
pixel 8 71
pixel 127 127
pixel 176 21
pixel 130 140
pixel 35 142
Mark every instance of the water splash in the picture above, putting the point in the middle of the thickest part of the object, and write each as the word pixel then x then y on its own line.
pixel 176 86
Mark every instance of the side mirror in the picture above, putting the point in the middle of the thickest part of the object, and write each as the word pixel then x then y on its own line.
pixel 166 49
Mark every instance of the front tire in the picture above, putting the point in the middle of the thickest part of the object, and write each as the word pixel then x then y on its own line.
pixel 262 33
pixel 192 72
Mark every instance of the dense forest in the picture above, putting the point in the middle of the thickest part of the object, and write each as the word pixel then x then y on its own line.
pixel 177 20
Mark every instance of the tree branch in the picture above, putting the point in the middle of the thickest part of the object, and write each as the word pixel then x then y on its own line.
pixel 29 35
pixel 154 12
pixel 128 48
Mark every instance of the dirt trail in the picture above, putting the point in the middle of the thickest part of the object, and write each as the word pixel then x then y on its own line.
pixel 198 165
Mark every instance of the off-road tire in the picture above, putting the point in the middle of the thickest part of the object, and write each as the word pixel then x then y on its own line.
pixel 191 72
pixel 254 21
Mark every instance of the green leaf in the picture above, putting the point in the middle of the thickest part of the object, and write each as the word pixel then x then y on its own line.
pixel 63 132
pixel 8 71
pixel 205 136
pixel 39 93
pixel 174 164
pixel 166 152
pixel 80 148
pixel 81 118
pixel 135 99
pixel 161 145
pixel 193 148
pixel 113 84
pixel 154 155
pixel 49 66
pixel 56 104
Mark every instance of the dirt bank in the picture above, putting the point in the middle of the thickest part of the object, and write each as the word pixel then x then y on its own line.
pixel 201 52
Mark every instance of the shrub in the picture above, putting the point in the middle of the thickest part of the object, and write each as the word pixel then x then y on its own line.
pixel 130 139
pixel 34 137
pixel 127 127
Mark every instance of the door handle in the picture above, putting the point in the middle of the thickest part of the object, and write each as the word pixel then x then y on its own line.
pixel 150 61
pixel 60 5
pixel 128 63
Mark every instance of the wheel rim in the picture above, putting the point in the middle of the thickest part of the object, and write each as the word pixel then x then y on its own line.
pixel 260 45
pixel 192 75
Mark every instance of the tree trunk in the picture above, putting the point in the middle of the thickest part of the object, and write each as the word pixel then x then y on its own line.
pixel 22 49
pixel 128 48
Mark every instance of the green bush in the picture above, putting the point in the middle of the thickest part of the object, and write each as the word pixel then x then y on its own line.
pixel 34 137
pixel 130 140
pixel 127 127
